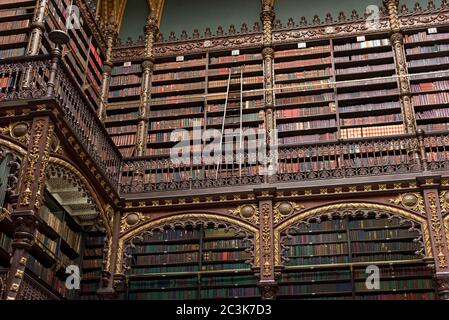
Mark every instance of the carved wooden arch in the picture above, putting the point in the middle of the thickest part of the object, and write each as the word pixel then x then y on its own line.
pixel 13 176
pixel 351 208
pixel 69 172
pixel 186 219
pixel 446 227
pixel 75 175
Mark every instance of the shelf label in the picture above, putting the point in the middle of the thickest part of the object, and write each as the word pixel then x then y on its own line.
pixel 179 58
pixel 127 64
pixel 302 45
pixel 360 38
pixel 235 52
pixel 432 30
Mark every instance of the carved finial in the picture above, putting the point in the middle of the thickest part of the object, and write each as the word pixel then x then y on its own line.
pixel 208 33
pixel 256 26
pixel 303 21
pixel 220 31
pixel 444 4
pixel 404 9
pixel 231 30
pixel 329 18
pixel 290 23
pixel 119 42
pixel 354 15
pixel 417 7
pixel 129 41
pixel 341 17
pixel 196 34
pixel 172 36
pixel 316 20
pixel 160 37
pixel 277 24
pixel 244 28
pixel 431 5
pixel 184 35
pixel 141 40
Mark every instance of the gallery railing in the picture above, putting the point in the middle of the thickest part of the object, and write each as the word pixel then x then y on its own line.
pixel 37 78
pixel 341 159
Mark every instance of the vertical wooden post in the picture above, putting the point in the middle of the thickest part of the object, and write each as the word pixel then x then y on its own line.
pixel 437 236
pixel 107 291
pixel 35 39
pixel 267 16
pixel 397 42
pixel 31 189
pixel 111 37
pixel 151 32
pixel 267 284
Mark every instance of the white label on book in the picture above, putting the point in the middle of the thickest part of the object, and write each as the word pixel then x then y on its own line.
pixel 127 64
pixel 360 38
pixel 432 30
pixel 302 45
pixel 235 52
pixel 179 58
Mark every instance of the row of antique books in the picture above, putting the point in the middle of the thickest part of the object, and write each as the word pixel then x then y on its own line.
pixel 376 131
pixel 371 119
pixel 424 37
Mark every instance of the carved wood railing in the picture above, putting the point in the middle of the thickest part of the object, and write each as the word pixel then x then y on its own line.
pixel 76 109
pixel 342 159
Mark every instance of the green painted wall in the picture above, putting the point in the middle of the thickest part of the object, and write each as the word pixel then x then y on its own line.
pixel 134 19
pixel 296 9
pixel 188 15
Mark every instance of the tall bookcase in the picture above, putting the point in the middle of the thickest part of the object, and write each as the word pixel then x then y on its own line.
pixel 367 62
pixel 329 259
pixel 305 96
pixel 81 55
pixel 92 264
pixel 15 20
pixel 428 64
pixel 191 263
pixel 123 109
pixel 57 245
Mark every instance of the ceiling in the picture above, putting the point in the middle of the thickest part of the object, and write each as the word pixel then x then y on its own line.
pixel 73 200
pixel 179 15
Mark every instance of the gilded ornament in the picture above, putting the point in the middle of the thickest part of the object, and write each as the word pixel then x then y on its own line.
pixel 437 229
pixel 411 201
pixel 266 239
pixel 284 209
pixel 444 200
pixel 248 212
pixel 132 219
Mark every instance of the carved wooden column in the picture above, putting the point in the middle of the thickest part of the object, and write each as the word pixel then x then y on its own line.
pixel 37 28
pixel 267 17
pixel 267 284
pixel 35 40
pixel 437 237
pixel 151 32
pixel 107 291
pixel 397 41
pixel 111 37
pixel 30 195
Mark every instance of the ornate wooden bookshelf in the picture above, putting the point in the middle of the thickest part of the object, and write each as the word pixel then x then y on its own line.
pixel 82 54
pixel 191 263
pixel 328 259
